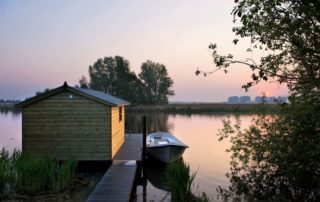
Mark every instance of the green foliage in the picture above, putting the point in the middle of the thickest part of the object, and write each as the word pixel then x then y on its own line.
pixel 83 82
pixel 41 92
pixel 113 76
pixel 180 181
pixel 196 108
pixel 277 158
pixel 203 198
pixel 29 174
pixel 287 30
pixel 63 175
pixel 4 168
pixel 32 174
pixel 156 82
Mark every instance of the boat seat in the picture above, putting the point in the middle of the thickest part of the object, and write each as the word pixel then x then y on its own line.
pixel 157 137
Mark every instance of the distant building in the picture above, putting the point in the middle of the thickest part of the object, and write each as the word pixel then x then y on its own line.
pixel 233 99
pixel 282 99
pixel 271 100
pixel 258 99
pixel 245 99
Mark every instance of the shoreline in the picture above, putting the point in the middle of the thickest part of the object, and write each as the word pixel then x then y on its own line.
pixel 187 108
pixel 205 108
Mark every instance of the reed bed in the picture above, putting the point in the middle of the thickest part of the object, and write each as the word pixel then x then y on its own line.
pixel 28 174
pixel 4 168
pixel 205 108
pixel 180 183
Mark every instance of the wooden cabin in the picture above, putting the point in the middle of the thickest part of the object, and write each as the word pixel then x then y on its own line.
pixel 73 123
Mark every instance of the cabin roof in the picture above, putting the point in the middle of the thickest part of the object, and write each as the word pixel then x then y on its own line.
pixel 101 97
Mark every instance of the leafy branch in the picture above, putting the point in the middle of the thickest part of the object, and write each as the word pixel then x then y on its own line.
pixel 260 72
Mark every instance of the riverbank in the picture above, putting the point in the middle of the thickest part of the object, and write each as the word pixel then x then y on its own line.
pixel 205 108
pixel 83 185
pixel 7 105
pixel 27 177
pixel 187 108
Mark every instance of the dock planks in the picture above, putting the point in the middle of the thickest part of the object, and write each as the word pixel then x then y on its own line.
pixel 131 149
pixel 117 183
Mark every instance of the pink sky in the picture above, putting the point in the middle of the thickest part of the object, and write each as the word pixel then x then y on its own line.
pixel 44 43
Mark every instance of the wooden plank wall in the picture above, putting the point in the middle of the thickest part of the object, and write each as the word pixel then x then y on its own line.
pixel 68 126
pixel 117 130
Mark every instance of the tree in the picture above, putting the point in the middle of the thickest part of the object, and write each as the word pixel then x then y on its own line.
pixel 83 82
pixel 113 76
pixel 156 82
pixel 41 92
pixel 277 158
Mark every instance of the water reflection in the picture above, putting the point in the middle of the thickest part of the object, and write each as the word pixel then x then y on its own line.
pixel 206 155
pixel 10 111
pixel 155 122
pixel 10 129
pixel 156 174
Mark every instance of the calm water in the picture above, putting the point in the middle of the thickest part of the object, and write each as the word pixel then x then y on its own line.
pixel 10 130
pixel 205 155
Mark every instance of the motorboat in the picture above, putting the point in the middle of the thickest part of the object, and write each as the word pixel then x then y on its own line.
pixel 165 147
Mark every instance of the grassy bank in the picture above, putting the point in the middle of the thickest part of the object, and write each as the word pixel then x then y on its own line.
pixel 28 174
pixel 205 108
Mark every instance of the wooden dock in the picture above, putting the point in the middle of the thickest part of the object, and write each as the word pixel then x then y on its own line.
pixel 117 183
pixel 131 149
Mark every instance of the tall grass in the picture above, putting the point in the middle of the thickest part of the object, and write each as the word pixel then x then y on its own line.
pixel 203 108
pixel 180 181
pixel 63 176
pixel 4 168
pixel 32 173
pixel 29 174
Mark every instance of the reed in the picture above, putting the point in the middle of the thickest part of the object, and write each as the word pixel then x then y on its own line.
pixel 63 176
pixel 203 108
pixel 4 167
pixel 180 181
pixel 30 174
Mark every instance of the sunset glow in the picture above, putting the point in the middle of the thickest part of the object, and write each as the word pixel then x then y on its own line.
pixel 267 93
pixel 44 43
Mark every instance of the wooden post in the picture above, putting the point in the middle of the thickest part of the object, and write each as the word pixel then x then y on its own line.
pixel 144 147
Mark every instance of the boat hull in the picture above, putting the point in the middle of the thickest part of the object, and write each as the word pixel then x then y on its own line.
pixel 166 153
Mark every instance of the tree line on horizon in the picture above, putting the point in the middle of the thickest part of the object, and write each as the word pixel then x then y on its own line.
pixel 9 101
pixel 113 75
